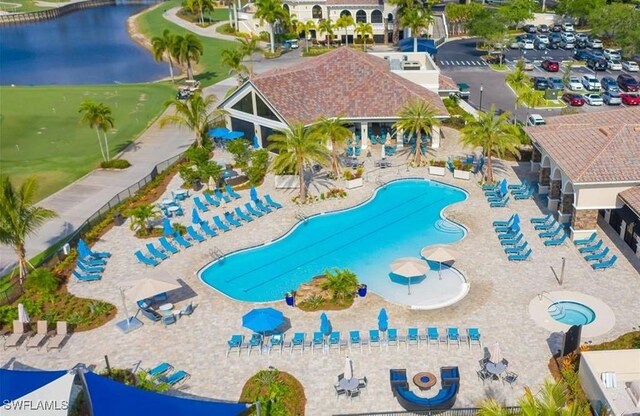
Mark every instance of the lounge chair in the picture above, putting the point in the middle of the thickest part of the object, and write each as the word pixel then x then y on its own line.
pixel 374 338
pixel 433 337
pixel 92 262
pixel 502 223
pixel 297 342
pixel 507 228
pixel 204 226
pixel 509 234
pixel 586 241
pixel 219 224
pixel 552 233
pixel 491 186
pixel 231 192
pixel 81 277
pixel 501 204
pixel 604 264
pixel 557 241
pixel 541 220
pixel 145 260
pixel 242 215
pixel 495 198
pixel 317 341
pixel 88 269
pixel 150 314
pixel 546 226
pixel 175 378
pixel 181 241
pixel 235 342
pixel 519 257
pixel 597 256
pixel 255 342
pixel 155 252
pixel 168 320
pixel 516 249
pixel 17 336
pixel 59 337
pixel 354 339
pixel 168 246
pixel 473 336
pixel 591 248
pixel 334 340
pixel 518 186
pixel 251 210
pixel 526 195
pixel 271 202
pixel 187 310
pixel 220 196
pixel 85 251
pixel 512 241
pixel 160 369
pixel 453 336
pixel 392 337
pixel 191 232
pixel 229 218
pixel 40 336
pixel 261 206
pixel 412 337
pixel 211 200
pixel 200 205
pixel 276 341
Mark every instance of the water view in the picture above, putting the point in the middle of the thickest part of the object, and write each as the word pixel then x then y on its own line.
pixel 90 46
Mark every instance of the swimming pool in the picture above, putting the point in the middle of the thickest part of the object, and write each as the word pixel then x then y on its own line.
pixel 398 221
pixel 571 313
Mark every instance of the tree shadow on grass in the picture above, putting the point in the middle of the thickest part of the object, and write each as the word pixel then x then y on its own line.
pixel 206 76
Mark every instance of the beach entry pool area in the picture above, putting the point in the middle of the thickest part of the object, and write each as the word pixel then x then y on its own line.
pixel 399 220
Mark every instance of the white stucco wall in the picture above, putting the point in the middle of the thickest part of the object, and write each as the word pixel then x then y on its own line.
pixel 599 196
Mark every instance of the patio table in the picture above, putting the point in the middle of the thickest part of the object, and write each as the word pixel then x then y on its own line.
pixel 496 368
pixel 182 193
pixel 424 380
pixel 350 384
pixel 168 201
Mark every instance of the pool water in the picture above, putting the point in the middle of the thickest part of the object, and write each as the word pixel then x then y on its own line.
pixel 571 313
pixel 402 217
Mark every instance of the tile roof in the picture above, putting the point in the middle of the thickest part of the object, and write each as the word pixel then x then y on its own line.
pixel 354 2
pixel 593 147
pixel 345 83
pixel 632 198
pixel 446 83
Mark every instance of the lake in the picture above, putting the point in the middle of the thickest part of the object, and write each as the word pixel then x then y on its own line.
pixel 89 46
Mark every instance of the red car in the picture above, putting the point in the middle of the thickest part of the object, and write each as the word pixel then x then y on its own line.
pixel 551 65
pixel 573 100
pixel 630 99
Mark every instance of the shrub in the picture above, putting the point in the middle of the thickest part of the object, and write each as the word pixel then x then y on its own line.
pixel 239 148
pixel 279 393
pixel 437 163
pixel 341 283
pixel 43 281
pixel 257 170
pixel 115 164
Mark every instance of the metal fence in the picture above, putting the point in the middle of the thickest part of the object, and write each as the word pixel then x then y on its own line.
pixel 470 411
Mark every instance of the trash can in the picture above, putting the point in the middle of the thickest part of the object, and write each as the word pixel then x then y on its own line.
pixel 362 291
pixel 196 185
pixel 118 219
pixel 289 299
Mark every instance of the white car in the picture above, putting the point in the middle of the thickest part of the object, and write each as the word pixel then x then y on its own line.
pixel 568 37
pixel 582 37
pixel 590 83
pixel 613 54
pixel 535 120
pixel 593 99
pixel 567 27
pixel 614 65
pixel 575 84
pixel 594 43
pixel 543 38
pixel 526 44
pixel 630 66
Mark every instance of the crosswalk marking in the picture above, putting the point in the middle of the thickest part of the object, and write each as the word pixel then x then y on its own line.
pixel 463 63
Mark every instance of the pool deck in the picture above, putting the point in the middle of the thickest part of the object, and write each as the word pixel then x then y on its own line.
pixel 497 303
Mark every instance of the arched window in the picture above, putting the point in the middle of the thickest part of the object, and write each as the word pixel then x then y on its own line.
pixel 376 16
pixel 286 8
pixel 345 13
pixel 390 18
pixel 316 12
pixel 361 16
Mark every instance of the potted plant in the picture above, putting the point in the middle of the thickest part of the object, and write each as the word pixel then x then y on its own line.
pixel 462 170
pixel 353 179
pixel 362 290
pixel 437 167
pixel 289 297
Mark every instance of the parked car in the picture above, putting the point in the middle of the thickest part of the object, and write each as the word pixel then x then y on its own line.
pixel 627 83
pixel 528 65
pixel 567 27
pixel 495 58
pixel 183 93
pixel 594 43
pixel 612 98
pixel 529 28
pixel 580 44
pixel 543 38
pixel 539 45
pixel 535 120
pixel 556 28
pixel 614 65
pixel 574 100
pixel 550 65
pixel 555 83
pixel 609 84
pixel 568 36
pixel 575 84
pixel 553 45
pixel 515 44
pixel 630 99
pixel 555 37
pixel 526 44
pixel 590 83
pixel 539 83
pixel 597 54
pixel 582 37
pixel 597 64
pixel 592 99
pixel 543 28
pixel 631 66
pixel 565 44
pixel 611 53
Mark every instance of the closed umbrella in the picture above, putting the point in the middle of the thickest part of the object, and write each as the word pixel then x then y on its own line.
pixel 253 194
pixel 167 228
pixel 439 255
pixel 382 154
pixel 383 320
pixel 325 324
pixel 256 142
pixel 495 355
pixel 263 320
pixel 211 184
pixel 348 369
pixel 409 267
pixel 23 316
pixel 388 137
pixel 195 217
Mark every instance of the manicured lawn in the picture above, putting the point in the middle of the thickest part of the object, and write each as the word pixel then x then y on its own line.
pixel 42 135
pixel 210 69
pixel 21 6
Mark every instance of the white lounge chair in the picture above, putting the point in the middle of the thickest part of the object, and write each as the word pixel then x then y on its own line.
pixel 40 336
pixel 61 334
pixel 16 337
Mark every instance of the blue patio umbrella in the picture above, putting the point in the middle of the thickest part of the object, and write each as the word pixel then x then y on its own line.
pixel 256 143
pixel 232 135
pixel 263 320
pixel 325 325
pixel 167 229
pixel 383 320
pixel 253 194
pixel 218 132
pixel 195 217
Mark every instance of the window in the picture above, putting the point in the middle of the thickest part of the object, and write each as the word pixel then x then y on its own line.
pixel 376 16
pixel 316 12
pixel 390 18
pixel 286 8
pixel 245 104
pixel 263 110
pixel 345 13
pixel 361 16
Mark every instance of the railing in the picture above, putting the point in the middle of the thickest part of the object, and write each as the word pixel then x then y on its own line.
pixel 471 411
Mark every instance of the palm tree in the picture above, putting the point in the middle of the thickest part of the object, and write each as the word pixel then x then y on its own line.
pixel 297 147
pixel 341 283
pixel 98 116
pixel 490 407
pixel 309 26
pixel 270 11
pixel 531 98
pixel 326 26
pixel 335 131
pixel 416 20
pixel 186 49
pixel 364 30
pixel 196 113
pixel 402 7
pixel 345 22
pixel 164 45
pixel 233 59
pixel 519 80
pixel 249 46
pixel 19 217
pixel 417 117
pixel 494 134
pixel 141 217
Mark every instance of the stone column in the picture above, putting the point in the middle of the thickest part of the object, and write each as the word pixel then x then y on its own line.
pixel 583 222
pixel 554 194
pixel 364 134
pixel 566 207
pixel 435 137
pixel 536 157
pixel 623 229
pixel 543 180
pixel 638 246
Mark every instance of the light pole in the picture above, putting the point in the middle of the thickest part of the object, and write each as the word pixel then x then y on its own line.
pixel 515 109
pixel 481 89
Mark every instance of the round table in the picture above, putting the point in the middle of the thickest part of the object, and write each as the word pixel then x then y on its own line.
pixel 166 309
pixel 424 380
pixel 496 368
pixel 350 384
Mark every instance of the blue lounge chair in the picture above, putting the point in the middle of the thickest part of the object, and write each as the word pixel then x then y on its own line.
pixel 317 341
pixel 145 260
pixel 235 342
pixel 491 187
pixel 220 196
pixel 204 226
pixel 541 220
pixel 508 228
pixel 433 336
pixel 297 342
pixel 495 198
pixel 605 264
pixel 160 369
pixel 516 249
pixel 552 233
pixel 506 223
pixel 546 226
pixel 155 252
pixel 219 224
pixel 194 235
pixel 526 195
pixel 261 206
pixel 473 336
pixel 89 269
pixel 453 336
pixel 354 339
pixel 255 342
pixel 512 241
pixel 211 200
pixel 501 204
pixel 85 251
pixel 557 241
pixel 80 277
pixel 597 256
pixel 175 378
pixel 509 235
pixel 334 340
pixel 586 241
pixel 374 338
pixel 87 261
pixel 231 192
pixel 591 248
pixel 271 202
pixel 392 337
pixel 519 257
pixel 151 315
pixel 168 246
pixel 516 186
pixel 181 241
pixel 242 215
pixel 413 337
pixel 229 218
pixel 276 341
pixel 200 205
pixel 251 210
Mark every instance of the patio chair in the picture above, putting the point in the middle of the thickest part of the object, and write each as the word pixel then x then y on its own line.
pixel 89 269
pixel 473 336
pixel 433 337
pixel 586 241
pixel 509 377
pixel 168 246
pixel 168 320
pixel 40 336
pixel 150 314
pixel 17 336
pixel 262 207
pixel 557 241
pixel 219 224
pixel 453 336
pixel 229 218
pixel 339 391
pixel 145 260
pixel 60 336
pixel 211 200
pixel 597 256
pixel 187 310
pixel 92 262
pixel 354 339
pixel 251 210
pixel 206 228
pixel 242 215
pixel 541 220
pixel 231 192
pixel 200 205
pixel 483 362
pixel 591 248
pixel 271 202
pixel 484 375
pixel 516 249
pixel 605 264
pixel 374 338
pixel 191 232
pixel 81 277
pixel 363 382
pixel 353 393
pixel 220 196
pixel 297 342
pixel 155 252
pixel 334 341
pixel 160 369
pixel 392 337
pixel 255 342
pixel 235 342
pixel 412 337
pixel 276 341
pixel 317 342
pixel 179 376
pixel 519 257
pixel 512 241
